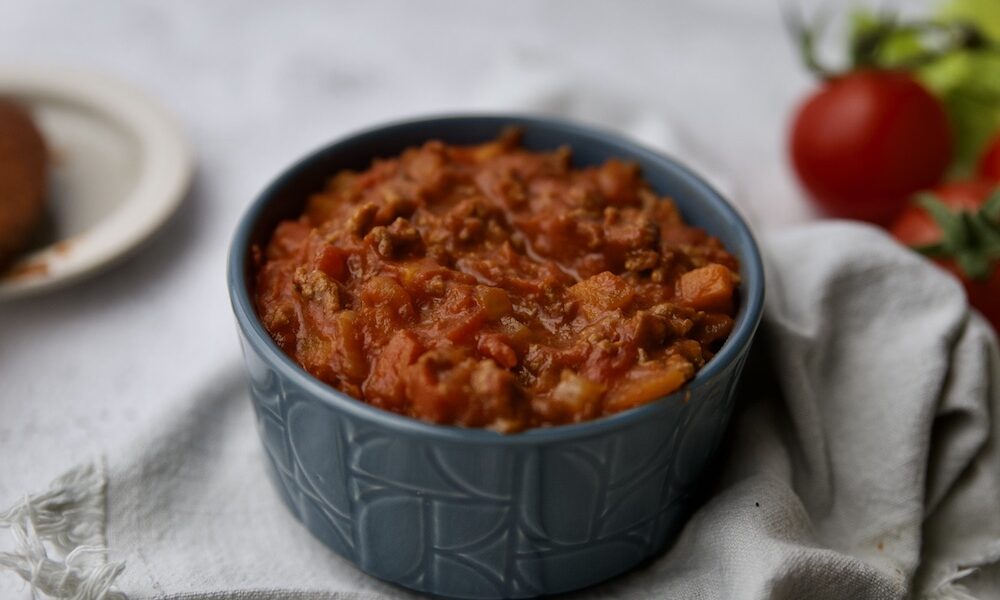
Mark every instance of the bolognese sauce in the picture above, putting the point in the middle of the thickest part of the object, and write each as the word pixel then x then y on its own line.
pixel 493 286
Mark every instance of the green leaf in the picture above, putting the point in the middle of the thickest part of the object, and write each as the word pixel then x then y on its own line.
pixel 985 226
pixel 965 79
pixel 896 45
pixel 933 250
pixel 971 239
pixel 974 265
pixel 991 208
pixel 987 238
pixel 968 82
pixel 984 13
pixel 953 235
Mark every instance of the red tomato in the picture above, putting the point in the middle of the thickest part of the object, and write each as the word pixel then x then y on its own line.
pixel 989 164
pixel 866 141
pixel 915 227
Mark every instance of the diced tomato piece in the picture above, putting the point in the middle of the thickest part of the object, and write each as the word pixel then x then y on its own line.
pixel 496 346
pixel 332 261
pixel 288 239
pixel 349 355
pixel 385 384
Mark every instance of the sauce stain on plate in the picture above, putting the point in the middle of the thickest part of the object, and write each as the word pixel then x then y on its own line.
pixel 26 271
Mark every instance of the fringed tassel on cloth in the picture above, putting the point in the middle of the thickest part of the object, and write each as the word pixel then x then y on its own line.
pixel 59 540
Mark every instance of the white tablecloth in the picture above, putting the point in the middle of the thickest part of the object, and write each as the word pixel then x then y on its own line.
pixel 89 370
pixel 258 84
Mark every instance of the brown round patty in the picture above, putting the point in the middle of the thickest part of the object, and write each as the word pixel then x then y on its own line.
pixel 23 159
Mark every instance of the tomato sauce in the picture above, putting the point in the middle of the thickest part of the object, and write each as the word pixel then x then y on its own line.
pixel 492 286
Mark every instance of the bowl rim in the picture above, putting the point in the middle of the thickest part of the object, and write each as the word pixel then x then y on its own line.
pixel 255 334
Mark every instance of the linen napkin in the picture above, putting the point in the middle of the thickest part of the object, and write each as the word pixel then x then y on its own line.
pixel 862 461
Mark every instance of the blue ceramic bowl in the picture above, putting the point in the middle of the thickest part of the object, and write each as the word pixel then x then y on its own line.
pixel 472 513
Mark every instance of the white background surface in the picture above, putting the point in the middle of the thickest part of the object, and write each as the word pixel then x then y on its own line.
pixel 256 85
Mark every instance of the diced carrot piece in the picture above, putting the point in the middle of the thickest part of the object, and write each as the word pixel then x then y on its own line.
pixel 617 181
pixel 494 301
pixel 384 293
pixel 575 393
pixel 604 290
pixel 649 386
pixel 349 355
pixel 707 288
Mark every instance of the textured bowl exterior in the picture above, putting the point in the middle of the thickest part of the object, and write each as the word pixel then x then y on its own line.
pixel 471 513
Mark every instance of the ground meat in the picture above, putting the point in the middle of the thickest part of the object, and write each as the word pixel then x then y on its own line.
pixel 491 286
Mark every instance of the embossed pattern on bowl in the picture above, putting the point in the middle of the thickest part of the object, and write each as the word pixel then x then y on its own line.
pixel 471 513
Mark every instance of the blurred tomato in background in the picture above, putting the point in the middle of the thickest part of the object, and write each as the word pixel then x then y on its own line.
pixel 867 140
pixel 907 134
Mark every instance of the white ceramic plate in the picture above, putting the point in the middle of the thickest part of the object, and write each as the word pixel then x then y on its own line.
pixel 120 167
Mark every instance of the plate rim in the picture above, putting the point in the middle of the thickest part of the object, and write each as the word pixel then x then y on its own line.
pixel 164 175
